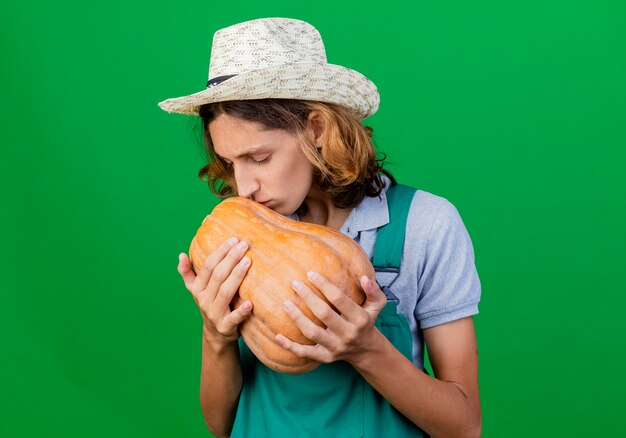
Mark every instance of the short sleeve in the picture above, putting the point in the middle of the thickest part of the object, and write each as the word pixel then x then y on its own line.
pixel 448 287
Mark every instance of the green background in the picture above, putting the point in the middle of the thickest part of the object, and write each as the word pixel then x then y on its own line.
pixel 515 111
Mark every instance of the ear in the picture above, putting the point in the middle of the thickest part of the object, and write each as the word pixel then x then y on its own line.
pixel 315 127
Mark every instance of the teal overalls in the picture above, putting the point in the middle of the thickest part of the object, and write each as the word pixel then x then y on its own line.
pixel 333 400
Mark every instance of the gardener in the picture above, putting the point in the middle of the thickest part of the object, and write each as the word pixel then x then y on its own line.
pixel 283 127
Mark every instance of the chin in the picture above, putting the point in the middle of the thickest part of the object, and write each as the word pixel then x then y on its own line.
pixel 278 210
pixel 281 210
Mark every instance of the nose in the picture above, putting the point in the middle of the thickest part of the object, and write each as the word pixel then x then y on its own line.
pixel 247 183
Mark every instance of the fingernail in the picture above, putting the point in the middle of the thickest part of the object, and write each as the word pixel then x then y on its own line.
pixel 244 262
pixel 288 305
pixel 242 245
pixel 247 305
pixel 297 285
pixel 232 241
pixel 311 275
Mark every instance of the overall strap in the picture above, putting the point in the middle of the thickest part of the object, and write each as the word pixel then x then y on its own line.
pixel 390 237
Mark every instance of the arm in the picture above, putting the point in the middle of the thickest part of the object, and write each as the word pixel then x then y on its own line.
pixel 213 289
pixel 447 405
pixel 220 385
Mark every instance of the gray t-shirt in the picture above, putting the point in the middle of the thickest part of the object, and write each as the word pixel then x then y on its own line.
pixel 438 282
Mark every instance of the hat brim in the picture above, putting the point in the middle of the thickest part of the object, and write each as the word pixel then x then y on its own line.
pixel 320 82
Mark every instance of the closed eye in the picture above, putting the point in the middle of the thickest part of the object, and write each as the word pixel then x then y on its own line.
pixel 260 161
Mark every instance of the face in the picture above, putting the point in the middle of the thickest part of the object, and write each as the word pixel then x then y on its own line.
pixel 268 165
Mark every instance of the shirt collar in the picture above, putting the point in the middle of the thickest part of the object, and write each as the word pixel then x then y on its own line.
pixel 370 214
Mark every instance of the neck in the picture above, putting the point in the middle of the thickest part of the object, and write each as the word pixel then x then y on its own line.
pixel 318 208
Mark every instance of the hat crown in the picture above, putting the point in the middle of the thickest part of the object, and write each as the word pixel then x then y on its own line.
pixel 263 43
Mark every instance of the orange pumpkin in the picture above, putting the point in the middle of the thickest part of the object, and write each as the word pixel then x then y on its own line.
pixel 281 250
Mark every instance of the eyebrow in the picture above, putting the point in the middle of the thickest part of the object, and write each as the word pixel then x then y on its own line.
pixel 249 152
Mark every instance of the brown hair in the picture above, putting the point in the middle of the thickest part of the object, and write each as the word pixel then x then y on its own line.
pixel 345 164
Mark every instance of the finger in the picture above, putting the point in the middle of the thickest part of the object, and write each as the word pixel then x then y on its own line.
pixel 320 308
pixel 375 298
pixel 185 270
pixel 314 352
pixel 338 298
pixel 211 261
pixel 238 315
pixel 230 286
pixel 223 269
pixel 308 328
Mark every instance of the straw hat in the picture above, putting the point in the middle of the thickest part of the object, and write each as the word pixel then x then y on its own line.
pixel 276 58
